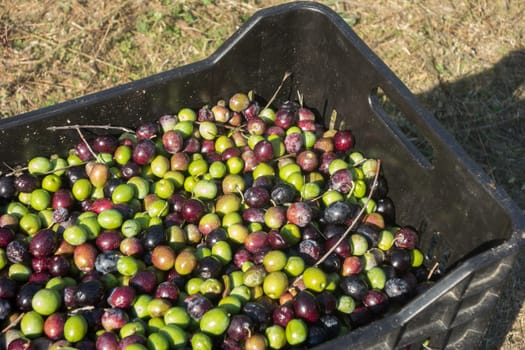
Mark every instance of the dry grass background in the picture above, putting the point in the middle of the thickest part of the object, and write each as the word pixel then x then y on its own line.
pixel 464 59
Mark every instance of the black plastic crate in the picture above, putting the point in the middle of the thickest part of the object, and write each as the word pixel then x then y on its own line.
pixel 467 223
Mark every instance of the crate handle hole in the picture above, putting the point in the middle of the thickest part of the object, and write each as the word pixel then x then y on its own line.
pixel 390 112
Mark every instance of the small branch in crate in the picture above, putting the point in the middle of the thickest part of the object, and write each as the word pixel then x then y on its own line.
pixel 78 128
pixel 432 271
pixel 333 118
pixel 286 76
pixel 18 171
pixel 227 285
pixel 225 126
pixel 355 221
pixel 331 126
pixel 89 126
pixel 286 156
pixel 13 323
pixel 80 309
pixel 86 142
pixel 300 98
pixel 14 171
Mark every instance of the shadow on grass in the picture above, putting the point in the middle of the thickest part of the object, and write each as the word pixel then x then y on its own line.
pixel 486 114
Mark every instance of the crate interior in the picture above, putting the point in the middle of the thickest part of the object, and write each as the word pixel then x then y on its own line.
pixel 442 197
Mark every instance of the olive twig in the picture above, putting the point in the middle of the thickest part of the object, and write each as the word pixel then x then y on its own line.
pixel 243 134
pixel 331 126
pixel 432 270
pixel 164 207
pixel 319 231
pixel 355 220
pixel 247 328
pixel 241 127
pixel 238 188
pixel 333 118
pixel 89 126
pixel 286 156
pixel 300 98
pixel 359 162
pixel 80 309
pixel 15 170
pixel 221 125
pixel 315 199
pixel 227 286
pixel 352 188
pixel 286 76
pixel 64 168
pixel 13 323
pixel 86 142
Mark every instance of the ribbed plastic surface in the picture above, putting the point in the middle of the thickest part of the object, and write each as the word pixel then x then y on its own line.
pixel 467 224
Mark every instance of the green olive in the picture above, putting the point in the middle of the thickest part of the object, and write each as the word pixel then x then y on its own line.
pixel 157 341
pixel 140 306
pixel 46 301
pixel 32 324
pixel 214 322
pixel 39 165
pixel 314 279
pixel 123 193
pixel 40 199
pixel 51 182
pixel 75 328
pixel 81 189
pixel 275 284
pixel 176 336
pixel 296 331
pixel 75 235
pixel 276 336
pixel 274 260
pixel 201 341
pixel 110 219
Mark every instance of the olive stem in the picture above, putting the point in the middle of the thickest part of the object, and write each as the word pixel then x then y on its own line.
pixel 352 225
pixel 240 193
pixel 286 76
pixel 319 231
pixel 13 323
pixel 86 142
pixel 432 270
pixel 351 191
pixel 18 170
pixel 356 219
pixel 331 127
pixel 80 309
pixel 359 162
pixel 15 170
pixel 227 285
pixel 333 118
pixel 221 125
pixel 163 208
pixel 89 126
pixel 300 98
pixel 315 198
pixel 286 156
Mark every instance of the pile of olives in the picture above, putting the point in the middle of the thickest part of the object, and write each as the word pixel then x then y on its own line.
pixel 232 226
